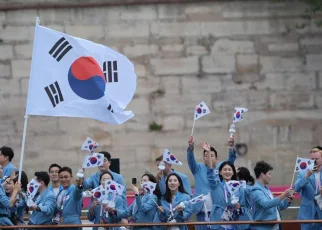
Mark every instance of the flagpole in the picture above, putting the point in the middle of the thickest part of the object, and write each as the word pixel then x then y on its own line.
pixel 193 126
pixel 26 116
pixel 293 173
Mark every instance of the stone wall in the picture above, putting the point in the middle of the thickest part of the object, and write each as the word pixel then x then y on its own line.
pixel 228 54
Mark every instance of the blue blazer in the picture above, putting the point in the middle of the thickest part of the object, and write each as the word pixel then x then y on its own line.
pixel 18 208
pixel 217 193
pixel 264 206
pixel 185 182
pixel 94 181
pixel 199 171
pixel 245 201
pixel 4 206
pixel 96 218
pixel 47 204
pixel 143 210
pixel 6 171
pixel 72 206
pixel 178 216
pixel 52 189
pixel 308 210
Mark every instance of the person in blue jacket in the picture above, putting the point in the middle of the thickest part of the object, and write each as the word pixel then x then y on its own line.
pixel 6 203
pixel 55 186
pixel 6 156
pixel 199 171
pixel 266 207
pixel 69 200
pixel 144 207
pixel 94 180
pixel 98 213
pixel 224 207
pixel 174 206
pixel 308 184
pixel 243 175
pixel 44 205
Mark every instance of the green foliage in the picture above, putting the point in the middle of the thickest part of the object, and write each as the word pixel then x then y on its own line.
pixel 155 127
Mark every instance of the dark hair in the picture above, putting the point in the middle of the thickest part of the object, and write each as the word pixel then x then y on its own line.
pixel 23 180
pixel 107 155
pixel 160 158
pixel 152 178
pixel 244 174
pixel 43 176
pixel 66 169
pixel 7 152
pixel 262 167
pixel 53 166
pixel 212 149
pixel 105 172
pixel 167 195
pixel 234 177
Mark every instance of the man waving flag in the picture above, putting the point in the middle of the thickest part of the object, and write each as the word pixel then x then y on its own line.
pixel 73 77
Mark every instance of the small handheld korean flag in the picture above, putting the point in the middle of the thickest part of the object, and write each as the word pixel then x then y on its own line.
pixel 200 111
pixel 198 199
pixel 32 188
pixel 89 145
pixel 303 164
pixel 100 193
pixel 233 186
pixel 94 160
pixel 170 158
pixel 238 114
pixel 149 187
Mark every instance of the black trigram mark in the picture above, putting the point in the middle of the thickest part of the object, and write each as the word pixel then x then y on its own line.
pixel 110 108
pixel 60 49
pixel 54 93
pixel 110 71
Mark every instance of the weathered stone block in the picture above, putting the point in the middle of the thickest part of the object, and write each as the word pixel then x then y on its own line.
pixel 291 100
pixel 21 17
pixel 258 99
pixel 279 64
pixel 233 82
pixel 2 16
pixel 139 123
pixel 140 50
pixel 178 66
pixel 6 52
pixel 232 47
pixel 54 16
pixel 132 139
pixel 194 85
pixel 16 33
pixel 318 100
pixel 9 86
pixel 273 81
pixel 86 32
pixel 149 12
pixel 247 64
pixel 94 15
pixel 300 81
pixel 146 86
pixel 176 29
pixel 23 51
pixel 20 68
pixel 218 63
pixel 140 70
pixel 314 62
pixel 171 85
pixel 139 106
pixel 173 11
pixel 196 50
pixel 127 30
pixel 227 101
pixel 311 40
pixel 5 70
pixel 173 123
pixel 286 47
pixel 301 134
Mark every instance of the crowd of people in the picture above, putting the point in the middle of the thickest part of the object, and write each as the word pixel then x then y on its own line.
pixel 59 198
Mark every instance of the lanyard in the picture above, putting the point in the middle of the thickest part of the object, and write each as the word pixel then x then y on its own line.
pixel 225 191
pixel 63 197
pixel 173 202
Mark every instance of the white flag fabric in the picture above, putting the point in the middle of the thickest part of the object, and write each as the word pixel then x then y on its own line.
pixel 303 164
pixel 73 77
pixel 238 114
pixel 170 158
pixel 100 193
pixel 114 187
pixel 149 187
pixel 201 110
pixel 89 145
pixel 233 186
pixel 198 199
pixel 32 188
pixel 94 160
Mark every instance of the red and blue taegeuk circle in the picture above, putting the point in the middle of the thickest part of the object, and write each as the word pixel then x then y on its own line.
pixel 112 187
pixel 86 78
pixel 93 160
pixel 238 114
pixel 97 195
pixel 173 158
pixel 303 165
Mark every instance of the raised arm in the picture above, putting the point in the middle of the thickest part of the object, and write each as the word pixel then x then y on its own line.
pixel 192 163
pixel 213 180
pixel 232 155
pixel 301 180
pixel 262 200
